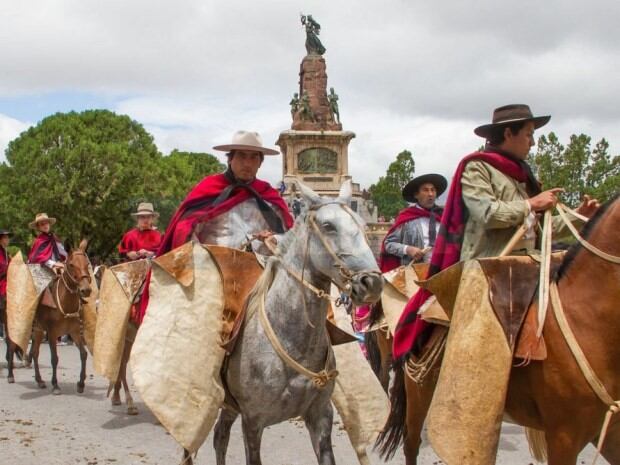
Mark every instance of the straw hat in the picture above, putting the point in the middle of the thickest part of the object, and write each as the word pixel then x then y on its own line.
pixel 246 140
pixel 511 114
pixel 146 209
pixel 39 218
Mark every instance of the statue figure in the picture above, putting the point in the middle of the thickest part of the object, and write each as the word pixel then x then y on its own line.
pixel 294 104
pixel 333 104
pixel 313 43
pixel 306 112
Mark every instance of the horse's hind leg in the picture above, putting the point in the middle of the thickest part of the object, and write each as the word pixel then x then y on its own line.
pixel 34 357
pixel 51 340
pixel 131 408
pixel 319 424
pixel 385 349
pixel 252 436
pixel 221 434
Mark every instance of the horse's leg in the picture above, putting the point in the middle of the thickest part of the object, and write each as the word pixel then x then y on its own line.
pixel 51 340
pixel 34 357
pixel 221 434
pixel 79 342
pixel 10 351
pixel 131 408
pixel 562 449
pixel 319 423
pixel 252 436
pixel 187 458
pixel 385 349
pixel 611 446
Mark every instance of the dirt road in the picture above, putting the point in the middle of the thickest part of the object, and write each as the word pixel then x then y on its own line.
pixel 38 428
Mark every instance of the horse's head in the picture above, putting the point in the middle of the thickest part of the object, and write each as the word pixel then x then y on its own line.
pixel 337 246
pixel 78 269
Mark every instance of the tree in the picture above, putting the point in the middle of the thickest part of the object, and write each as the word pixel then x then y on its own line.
pixel 387 191
pixel 182 171
pixel 577 168
pixel 88 169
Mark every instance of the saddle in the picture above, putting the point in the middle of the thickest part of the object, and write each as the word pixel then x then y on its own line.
pixel 513 285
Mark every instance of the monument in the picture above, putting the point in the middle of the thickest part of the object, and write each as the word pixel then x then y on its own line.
pixel 315 149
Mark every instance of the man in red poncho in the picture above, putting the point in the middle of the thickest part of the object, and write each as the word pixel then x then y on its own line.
pixel 144 240
pixel 233 208
pixel 47 248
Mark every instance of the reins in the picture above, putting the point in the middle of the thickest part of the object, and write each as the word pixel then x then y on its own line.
pixel 63 277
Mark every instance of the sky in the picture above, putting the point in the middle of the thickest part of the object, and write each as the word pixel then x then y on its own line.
pixel 411 74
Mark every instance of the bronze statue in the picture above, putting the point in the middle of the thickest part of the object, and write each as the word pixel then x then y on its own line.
pixel 306 112
pixel 333 104
pixel 313 43
pixel 294 104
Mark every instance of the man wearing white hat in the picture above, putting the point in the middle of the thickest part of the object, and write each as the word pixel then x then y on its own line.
pixel 47 249
pixel 143 240
pixel 230 208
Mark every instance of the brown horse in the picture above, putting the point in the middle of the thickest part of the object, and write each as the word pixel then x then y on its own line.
pixel 551 396
pixel 69 291
pixel 121 380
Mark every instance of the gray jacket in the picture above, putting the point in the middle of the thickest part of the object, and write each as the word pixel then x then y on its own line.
pixel 409 233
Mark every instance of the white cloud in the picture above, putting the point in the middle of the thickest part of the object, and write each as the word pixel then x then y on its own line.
pixel 10 128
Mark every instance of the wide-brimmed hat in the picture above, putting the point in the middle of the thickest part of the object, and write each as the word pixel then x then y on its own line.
pixel 412 187
pixel 145 209
pixel 246 140
pixel 511 114
pixel 41 217
pixel 5 232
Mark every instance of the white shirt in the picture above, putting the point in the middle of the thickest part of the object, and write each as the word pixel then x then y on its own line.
pixel 234 227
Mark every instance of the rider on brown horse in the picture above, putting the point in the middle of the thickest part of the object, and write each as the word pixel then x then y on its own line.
pixel 47 248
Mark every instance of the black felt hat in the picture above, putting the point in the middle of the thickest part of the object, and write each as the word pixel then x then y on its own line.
pixel 412 187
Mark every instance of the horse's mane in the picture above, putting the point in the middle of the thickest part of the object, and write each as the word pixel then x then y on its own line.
pixel 585 232
pixel 260 288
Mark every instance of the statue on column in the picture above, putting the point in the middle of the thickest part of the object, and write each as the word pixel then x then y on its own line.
pixel 313 29
pixel 306 112
pixel 294 104
pixel 333 104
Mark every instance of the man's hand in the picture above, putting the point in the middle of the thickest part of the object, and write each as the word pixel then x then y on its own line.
pixel 58 267
pixel 588 206
pixel 145 253
pixel 132 255
pixel 263 235
pixel 414 252
pixel 545 200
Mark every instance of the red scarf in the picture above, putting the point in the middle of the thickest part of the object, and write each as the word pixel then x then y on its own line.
pixel 447 250
pixel 4 267
pixel 45 248
pixel 201 205
pixel 388 262
pixel 136 239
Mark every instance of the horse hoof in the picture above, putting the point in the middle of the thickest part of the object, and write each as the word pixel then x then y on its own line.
pixel 56 391
pixel 132 410
pixel 116 402
pixel 41 385
pixel 11 379
pixel 80 388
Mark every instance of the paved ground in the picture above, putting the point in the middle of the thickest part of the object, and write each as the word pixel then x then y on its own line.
pixel 38 428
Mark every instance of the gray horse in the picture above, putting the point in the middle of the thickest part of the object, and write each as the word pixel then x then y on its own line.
pixel 327 245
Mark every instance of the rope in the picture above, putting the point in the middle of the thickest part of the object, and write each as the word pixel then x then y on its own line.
pixel 417 371
pixel 595 383
pixel 320 379
pixel 545 271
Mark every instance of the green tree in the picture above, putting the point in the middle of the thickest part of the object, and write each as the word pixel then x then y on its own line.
pixel 387 191
pixel 577 168
pixel 181 172
pixel 87 169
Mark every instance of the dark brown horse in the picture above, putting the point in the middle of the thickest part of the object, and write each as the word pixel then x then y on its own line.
pixel 551 396
pixel 69 290
pixel 379 347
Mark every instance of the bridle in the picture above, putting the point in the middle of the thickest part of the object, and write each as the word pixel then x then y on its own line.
pixel 347 275
pixel 73 287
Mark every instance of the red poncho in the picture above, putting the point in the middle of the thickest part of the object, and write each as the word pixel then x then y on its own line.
pixel 447 250
pixel 44 248
pixel 388 262
pixel 213 196
pixel 4 266
pixel 136 239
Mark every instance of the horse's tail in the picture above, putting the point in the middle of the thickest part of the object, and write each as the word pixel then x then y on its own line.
pixel 372 349
pixel 538 444
pixel 395 427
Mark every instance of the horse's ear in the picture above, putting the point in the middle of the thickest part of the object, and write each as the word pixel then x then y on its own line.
pixel 346 192
pixel 311 197
pixel 83 245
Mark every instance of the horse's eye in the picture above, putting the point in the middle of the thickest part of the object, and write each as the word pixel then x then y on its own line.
pixel 328 227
